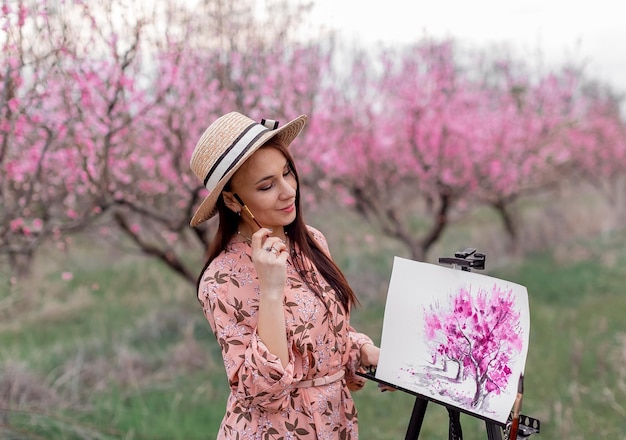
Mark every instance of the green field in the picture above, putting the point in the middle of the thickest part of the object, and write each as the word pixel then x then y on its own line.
pixel 122 351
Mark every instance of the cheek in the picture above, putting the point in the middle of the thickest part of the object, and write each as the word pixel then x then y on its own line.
pixel 262 201
pixel 292 181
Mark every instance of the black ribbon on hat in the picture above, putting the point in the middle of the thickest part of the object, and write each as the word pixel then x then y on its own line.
pixel 269 123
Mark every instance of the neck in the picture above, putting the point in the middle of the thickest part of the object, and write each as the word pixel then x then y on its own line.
pixel 245 231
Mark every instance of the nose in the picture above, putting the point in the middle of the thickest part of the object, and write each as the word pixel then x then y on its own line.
pixel 288 188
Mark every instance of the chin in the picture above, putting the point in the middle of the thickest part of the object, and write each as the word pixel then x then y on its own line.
pixel 290 219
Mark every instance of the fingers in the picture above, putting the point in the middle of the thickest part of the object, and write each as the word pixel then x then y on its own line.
pixel 277 251
pixel 264 245
pixel 383 388
pixel 259 237
pixel 274 246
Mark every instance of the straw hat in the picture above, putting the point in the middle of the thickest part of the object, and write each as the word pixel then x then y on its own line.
pixel 226 145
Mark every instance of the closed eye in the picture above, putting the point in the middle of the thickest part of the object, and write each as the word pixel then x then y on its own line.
pixel 286 172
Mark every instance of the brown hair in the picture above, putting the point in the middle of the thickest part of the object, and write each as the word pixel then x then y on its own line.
pixel 298 234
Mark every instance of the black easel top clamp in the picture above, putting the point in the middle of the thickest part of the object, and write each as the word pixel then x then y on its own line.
pixel 465 260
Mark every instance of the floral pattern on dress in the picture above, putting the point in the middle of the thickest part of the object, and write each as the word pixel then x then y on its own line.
pixel 264 402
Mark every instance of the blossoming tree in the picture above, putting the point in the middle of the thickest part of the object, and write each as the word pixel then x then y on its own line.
pixel 101 112
pixel 479 332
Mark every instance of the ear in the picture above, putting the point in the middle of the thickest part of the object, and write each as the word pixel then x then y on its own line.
pixel 230 201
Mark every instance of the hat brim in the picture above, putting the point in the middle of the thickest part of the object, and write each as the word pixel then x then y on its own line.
pixel 285 135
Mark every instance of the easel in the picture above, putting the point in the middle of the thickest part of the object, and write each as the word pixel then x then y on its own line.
pixel 465 260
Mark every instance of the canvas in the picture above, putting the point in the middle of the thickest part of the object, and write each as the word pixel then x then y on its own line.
pixel 455 337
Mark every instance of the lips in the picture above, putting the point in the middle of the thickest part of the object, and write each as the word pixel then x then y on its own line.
pixel 289 208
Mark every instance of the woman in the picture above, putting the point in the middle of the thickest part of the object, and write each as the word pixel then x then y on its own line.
pixel 278 305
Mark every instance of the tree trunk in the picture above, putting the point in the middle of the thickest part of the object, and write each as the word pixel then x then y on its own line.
pixel 21 263
pixel 420 252
pixel 509 223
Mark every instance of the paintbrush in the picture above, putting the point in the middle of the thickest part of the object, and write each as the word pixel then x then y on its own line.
pixel 517 408
pixel 245 208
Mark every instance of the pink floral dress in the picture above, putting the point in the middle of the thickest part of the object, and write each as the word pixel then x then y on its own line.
pixel 265 400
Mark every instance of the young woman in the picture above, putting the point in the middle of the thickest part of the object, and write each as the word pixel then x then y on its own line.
pixel 278 304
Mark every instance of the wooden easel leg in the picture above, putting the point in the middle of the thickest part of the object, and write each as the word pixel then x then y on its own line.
pixel 417 417
pixel 494 432
pixel 454 429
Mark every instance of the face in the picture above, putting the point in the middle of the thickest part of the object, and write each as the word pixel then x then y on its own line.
pixel 267 186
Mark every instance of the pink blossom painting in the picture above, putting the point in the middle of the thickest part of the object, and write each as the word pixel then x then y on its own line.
pixel 456 337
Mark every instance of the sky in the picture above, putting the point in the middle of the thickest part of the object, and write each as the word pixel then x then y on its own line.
pixel 591 33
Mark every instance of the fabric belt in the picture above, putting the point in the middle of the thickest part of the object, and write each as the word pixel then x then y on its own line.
pixel 319 381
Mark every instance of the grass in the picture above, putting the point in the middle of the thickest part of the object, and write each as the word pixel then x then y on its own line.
pixel 122 351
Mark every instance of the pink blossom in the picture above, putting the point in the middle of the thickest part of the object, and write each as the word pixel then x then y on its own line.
pixel 16 224
pixel 37 224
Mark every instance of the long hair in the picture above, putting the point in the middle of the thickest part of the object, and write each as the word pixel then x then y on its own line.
pixel 299 236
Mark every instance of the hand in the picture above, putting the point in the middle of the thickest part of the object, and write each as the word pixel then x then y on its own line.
pixel 269 255
pixel 370 355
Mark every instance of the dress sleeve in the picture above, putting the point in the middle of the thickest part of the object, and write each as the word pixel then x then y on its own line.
pixel 356 340
pixel 256 376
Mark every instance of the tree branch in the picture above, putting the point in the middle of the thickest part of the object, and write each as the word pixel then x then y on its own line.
pixel 166 256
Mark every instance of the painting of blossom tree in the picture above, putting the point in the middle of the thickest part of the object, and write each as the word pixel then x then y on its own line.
pixel 456 337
